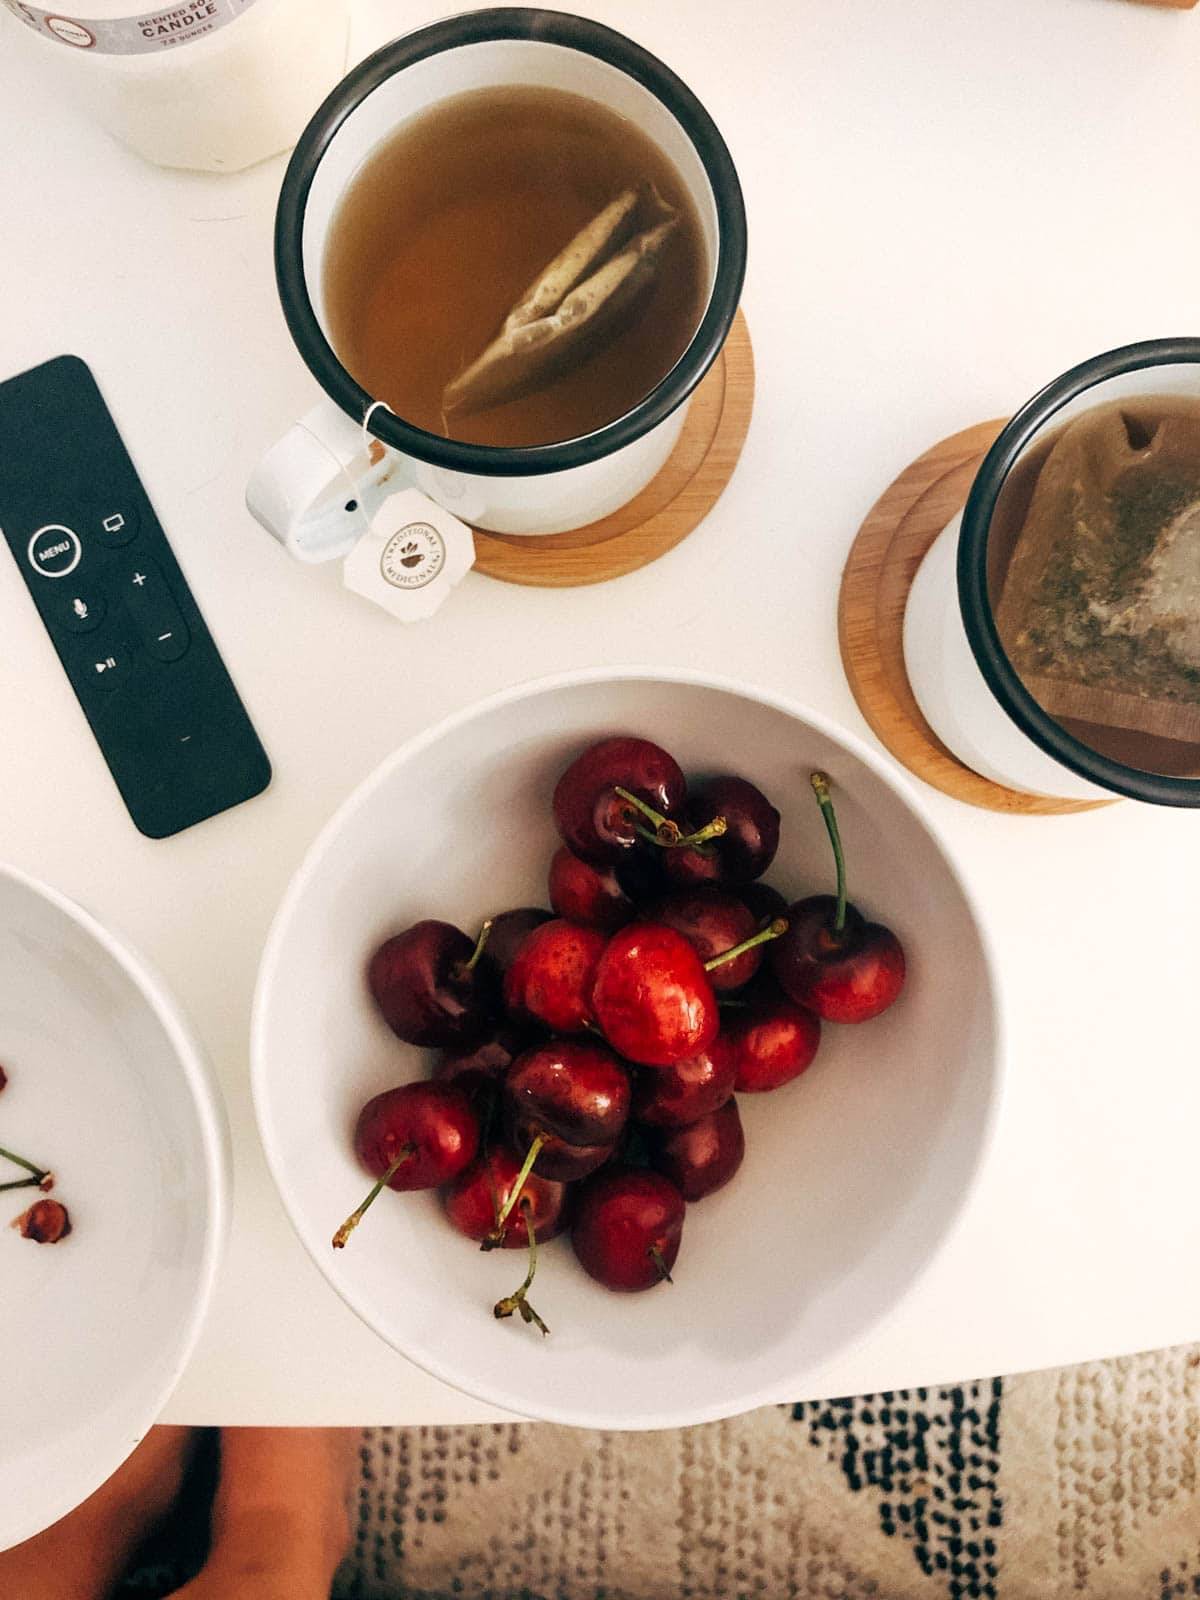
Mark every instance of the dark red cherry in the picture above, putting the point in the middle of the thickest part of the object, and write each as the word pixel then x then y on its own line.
pixel 415 1137
pixel 473 1200
pixel 557 1158
pixel 771 1042
pixel 746 848
pixel 671 1097
pixel 432 987
pixel 832 959
pixel 508 933
pixel 849 976
pixel 713 921
pixel 596 822
pixel 702 1157
pixel 652 997
pixel 628 1228
pixel 550 980
pixel 571 1088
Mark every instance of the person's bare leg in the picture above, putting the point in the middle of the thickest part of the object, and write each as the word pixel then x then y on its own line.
pixel 82 1556
pixel 280 1522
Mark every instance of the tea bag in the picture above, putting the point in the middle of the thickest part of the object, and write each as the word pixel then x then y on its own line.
pixel 1100 608
pixel 573 305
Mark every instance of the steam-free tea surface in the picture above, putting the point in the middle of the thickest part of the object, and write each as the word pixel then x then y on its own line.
pixel 455 216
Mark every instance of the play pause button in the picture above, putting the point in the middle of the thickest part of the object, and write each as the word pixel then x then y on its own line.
pixel 106 669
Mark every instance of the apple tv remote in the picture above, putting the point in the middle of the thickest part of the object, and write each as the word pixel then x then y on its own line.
pixel 118 610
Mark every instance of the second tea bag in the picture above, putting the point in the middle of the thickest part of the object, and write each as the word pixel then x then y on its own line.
pixel 577 302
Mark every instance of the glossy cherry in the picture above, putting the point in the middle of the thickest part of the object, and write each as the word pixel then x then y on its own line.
pixel 473 1201
pixel 509 930
pixel 628 1228
pixel 550 980
pixel 713 921
pixel 671 1097
pixel 702 1157
pixel 601 825
pixel 415 1137
pixel 743 851
pixel 572 1088
pixel 432 986
pixel 590 895
pixel 652 998
pixel 771 1042
pixel 832 959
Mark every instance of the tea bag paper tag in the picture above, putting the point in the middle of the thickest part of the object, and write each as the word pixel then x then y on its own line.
pixel 411 556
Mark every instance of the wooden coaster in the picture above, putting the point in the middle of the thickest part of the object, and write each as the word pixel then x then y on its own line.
pixel 878 574
pixel 668 508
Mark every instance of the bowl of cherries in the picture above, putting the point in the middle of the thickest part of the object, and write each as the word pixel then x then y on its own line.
pixel 625 1047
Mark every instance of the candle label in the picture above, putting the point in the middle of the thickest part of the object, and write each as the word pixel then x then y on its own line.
pixel 133 35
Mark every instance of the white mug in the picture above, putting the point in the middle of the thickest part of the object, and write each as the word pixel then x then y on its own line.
pixel 317 489
pixel 966 687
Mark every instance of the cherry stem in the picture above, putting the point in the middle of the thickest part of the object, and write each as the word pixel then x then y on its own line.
pixel 38 1172
pixel 656 1255
pixel 21 1183
pixel 667 834
pixel 773 930
pixel 820 785
pixel 496 1237
pixel 356 1216
pixel 480 944
pixel 517 1301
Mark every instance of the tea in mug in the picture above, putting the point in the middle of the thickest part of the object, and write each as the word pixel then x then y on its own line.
pixel 515 267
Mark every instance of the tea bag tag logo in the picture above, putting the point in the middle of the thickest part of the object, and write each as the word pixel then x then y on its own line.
pixel 411 556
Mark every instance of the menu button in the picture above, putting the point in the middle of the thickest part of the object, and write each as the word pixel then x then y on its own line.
pixel 54 551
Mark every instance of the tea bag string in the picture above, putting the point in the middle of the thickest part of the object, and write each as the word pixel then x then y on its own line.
pixel 368 438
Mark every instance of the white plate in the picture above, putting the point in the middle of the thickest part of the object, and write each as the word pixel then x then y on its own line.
pixel 853 1175
pixel 108 1087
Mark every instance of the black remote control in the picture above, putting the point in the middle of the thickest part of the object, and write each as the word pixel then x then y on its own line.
pixel 94 557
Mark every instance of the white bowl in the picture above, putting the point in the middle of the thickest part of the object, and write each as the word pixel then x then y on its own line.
pixel 108 1087
pixel 853 1174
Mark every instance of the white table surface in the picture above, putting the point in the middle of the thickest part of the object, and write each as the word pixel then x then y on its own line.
pixel 948 205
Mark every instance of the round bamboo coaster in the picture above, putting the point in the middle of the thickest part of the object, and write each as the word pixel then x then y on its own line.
pixel 674 502
pixel 878 574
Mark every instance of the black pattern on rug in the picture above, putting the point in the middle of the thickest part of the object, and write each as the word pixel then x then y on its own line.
pixel 934 1457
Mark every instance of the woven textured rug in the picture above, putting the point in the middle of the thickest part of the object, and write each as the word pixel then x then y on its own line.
pixel 1074 1482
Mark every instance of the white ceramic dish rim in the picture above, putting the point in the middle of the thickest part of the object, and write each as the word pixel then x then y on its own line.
pixel 495 1394
pixel 71 1491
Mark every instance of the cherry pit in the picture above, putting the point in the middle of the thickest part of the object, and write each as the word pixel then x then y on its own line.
pixel 590 1055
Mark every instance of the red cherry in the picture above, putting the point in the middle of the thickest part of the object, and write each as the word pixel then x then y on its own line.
pixel 849 976
pixel 628 1228
pixel 832 959
pixel 571 1088
pixel 773 1041
pixel 596 822
pixel 713 922
pixel 652 997
pixel 557 1158
pixel 415 1137
pixel 474 1198
pixel 550 980
pixel 743 851
pixel 702 1157
pixel 671 1097
pixel 431 985
pixel 592 896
